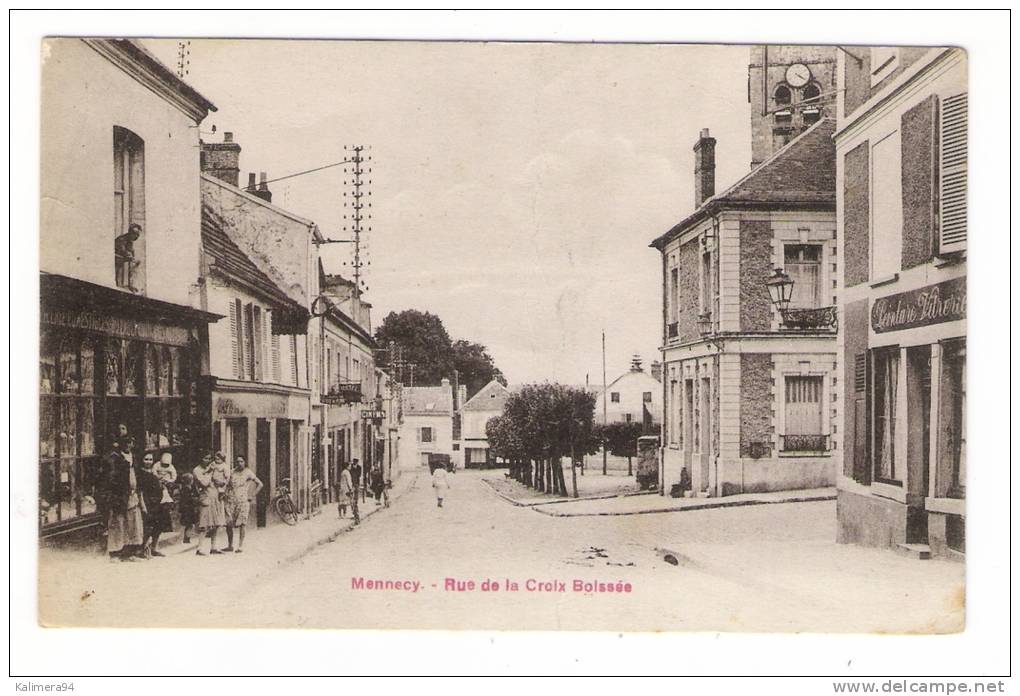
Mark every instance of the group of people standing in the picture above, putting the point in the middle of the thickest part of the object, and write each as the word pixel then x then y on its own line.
pixel 137 502
pixel 349 486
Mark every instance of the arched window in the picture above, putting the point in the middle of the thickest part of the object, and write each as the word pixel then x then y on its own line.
pixel 812 108
pixel 783 96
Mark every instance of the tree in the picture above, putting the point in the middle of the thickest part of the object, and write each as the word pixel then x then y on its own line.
pixel 424 341
pixel 541 424
pixel 475 367
pixel 621 440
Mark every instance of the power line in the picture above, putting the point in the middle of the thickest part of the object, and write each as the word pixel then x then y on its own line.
pixel 309 171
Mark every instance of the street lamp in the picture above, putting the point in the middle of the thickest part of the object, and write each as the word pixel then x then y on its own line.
pixel 780 288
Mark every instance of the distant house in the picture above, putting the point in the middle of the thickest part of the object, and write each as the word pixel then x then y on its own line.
pixel 428 424
pixel 475 413
pixel 633 397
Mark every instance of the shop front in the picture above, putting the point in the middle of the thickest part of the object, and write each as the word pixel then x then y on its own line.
pixel 264 424
pixel 108 360
pixel 906 463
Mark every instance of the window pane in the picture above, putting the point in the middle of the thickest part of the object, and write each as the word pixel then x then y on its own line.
pixel 887 367
pixel 113 366
pixel 151 370
pixel 48 494
pixel 68 436
pixel 69 377
pixel 48 417
pixel 86 427
pixel 153 424
pixel 88 367
pixel 47 369
pixel 133 368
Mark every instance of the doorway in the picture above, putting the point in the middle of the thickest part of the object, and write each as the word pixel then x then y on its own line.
pixel 705 407
pixel 918 441
pixel 262 470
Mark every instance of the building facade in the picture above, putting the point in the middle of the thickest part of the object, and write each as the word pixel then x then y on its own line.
pixel 901 153
pixel 123 336
pixel 258 377
pixel 748 400
pixel 633 397
pixel 474 415
pixel 427 426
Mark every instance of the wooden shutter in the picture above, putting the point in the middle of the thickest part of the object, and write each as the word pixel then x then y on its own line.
pixel 258 340
pixel 249 341
pixel 861 445
pixel 953 174
pixel 274 347
pixel 293 361
pixel 237 338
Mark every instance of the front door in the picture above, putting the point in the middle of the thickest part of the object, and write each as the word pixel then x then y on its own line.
pixel 262 470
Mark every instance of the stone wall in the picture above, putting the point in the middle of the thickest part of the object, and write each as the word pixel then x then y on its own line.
pixel 755 401
pixel 755 268
pixel 917 134
pixel 856 211
pixel 688 306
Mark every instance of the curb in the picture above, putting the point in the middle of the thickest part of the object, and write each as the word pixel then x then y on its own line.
pixel 560 501
pixel 688 508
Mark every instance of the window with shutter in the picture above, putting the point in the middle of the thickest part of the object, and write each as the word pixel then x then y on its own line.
pixel 235 340
pixel 274 347
pixel 293 361
pixel 258 340
pixel 249 342
pixel 953 174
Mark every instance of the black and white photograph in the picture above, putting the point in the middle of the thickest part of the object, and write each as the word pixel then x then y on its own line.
pixel 481 335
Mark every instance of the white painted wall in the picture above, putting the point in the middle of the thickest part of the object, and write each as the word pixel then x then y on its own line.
pixel 83 97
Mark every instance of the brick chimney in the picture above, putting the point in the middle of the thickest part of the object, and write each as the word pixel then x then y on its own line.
pixel 222 160
pixel 262 191
pixel 251 183
pixel 704 168
pixel 656 370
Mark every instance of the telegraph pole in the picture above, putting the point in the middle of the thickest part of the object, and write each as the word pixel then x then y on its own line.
pixel 605 407
pixel 183 59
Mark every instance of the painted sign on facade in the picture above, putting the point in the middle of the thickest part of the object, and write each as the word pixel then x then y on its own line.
pixel 932 304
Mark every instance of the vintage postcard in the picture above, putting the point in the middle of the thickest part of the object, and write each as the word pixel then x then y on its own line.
pixel 502 336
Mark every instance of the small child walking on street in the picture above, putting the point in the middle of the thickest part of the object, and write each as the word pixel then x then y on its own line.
pixel 440 484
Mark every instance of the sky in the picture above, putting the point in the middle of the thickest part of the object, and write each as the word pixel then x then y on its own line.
pixel 515 187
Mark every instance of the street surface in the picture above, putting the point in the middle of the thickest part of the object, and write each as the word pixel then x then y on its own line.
pixel 756 568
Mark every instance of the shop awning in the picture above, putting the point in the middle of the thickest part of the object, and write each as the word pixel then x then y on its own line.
pixel 58 292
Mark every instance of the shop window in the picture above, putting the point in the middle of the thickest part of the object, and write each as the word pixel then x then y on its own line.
pixel 129 209
pixel 152 370
pixel 134 358
pixel 803 416
pixel 68 467
pixel 165 372
pixel 803 263
pixel 953 420
pixel 885 380
pixel 614 397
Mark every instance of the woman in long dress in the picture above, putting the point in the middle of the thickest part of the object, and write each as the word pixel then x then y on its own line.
pixel 440 484
pixel 124 506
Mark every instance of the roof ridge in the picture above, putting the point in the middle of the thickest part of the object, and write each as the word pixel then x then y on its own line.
pixel 768 161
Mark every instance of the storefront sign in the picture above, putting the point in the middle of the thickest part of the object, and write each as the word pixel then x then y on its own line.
pixel 932 304
pixel 263 405
pixel 118 326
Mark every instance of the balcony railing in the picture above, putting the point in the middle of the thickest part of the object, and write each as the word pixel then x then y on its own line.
pixel 805 443
pixel 672 330
pixel 343 393
pixel 820 318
